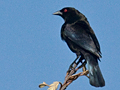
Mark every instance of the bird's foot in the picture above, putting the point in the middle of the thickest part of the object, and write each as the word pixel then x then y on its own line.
pixel 71 67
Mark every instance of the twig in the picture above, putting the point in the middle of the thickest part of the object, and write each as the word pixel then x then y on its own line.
pixel 70 77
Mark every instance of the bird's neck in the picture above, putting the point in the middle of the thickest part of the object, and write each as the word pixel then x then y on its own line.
pixel 72 19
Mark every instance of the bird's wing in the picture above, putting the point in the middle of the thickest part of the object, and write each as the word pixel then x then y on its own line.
pixel 83 36
pixel 89 30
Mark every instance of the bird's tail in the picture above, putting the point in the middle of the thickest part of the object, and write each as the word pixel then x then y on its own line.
pixel 96 78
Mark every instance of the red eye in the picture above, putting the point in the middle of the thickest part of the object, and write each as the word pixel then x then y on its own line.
pixel 65 10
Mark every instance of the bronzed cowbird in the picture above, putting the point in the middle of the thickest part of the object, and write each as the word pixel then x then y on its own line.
pixel 81 39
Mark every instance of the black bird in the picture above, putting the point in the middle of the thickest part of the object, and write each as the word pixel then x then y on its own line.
pixel 81 39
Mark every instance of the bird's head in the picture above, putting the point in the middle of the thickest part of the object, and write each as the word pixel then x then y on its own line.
pixel 69 14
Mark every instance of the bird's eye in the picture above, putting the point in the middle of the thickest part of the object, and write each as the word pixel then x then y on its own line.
pixel 65 10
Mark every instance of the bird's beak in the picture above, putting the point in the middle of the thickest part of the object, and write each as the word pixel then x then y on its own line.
pixel 57 13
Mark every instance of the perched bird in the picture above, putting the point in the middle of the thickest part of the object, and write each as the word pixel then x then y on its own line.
pixel 81 39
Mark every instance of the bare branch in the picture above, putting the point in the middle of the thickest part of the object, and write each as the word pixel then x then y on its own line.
pixel 71 76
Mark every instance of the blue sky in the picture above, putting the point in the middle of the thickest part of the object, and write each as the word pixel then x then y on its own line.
pixel 31 50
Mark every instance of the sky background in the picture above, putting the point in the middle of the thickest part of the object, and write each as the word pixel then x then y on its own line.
pixel 31 49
